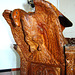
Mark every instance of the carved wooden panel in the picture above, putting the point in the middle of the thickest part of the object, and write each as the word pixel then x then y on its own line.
pixel 70 60
pixel 71 40
pixel 74 70
pixel 41 69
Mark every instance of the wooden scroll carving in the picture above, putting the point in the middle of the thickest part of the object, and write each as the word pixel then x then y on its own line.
pixel 39 38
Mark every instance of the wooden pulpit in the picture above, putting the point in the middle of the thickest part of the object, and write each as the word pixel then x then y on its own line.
pixel 39 38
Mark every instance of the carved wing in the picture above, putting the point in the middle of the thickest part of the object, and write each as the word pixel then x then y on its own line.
pixel 17 33
pixel 48 19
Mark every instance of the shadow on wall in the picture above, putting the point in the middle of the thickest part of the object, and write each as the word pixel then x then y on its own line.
pixel 17 57
pixel 28 8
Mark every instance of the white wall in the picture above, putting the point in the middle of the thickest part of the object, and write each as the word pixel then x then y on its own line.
pixel 9 58
pixel 67 7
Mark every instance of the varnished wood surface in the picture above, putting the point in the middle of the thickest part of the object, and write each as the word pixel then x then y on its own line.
pixel 44 69
pixel 38 36
pixel 39 31
pixel 70 59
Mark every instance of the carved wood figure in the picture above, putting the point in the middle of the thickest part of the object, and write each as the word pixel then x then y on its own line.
pixel 39 39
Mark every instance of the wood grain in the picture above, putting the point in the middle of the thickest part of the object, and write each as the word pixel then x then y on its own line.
pixel 38 36
pixel 70 60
